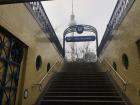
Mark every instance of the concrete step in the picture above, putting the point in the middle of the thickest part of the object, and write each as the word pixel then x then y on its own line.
pixel 81 89
pixel 80 102
pixel 81 84
pixel 89 98
pixel 112 93
pixel 87 83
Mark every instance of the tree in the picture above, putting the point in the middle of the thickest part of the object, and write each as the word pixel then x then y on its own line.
pixel 83 53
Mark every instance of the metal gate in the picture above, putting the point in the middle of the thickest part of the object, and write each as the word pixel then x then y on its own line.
pixel 11 55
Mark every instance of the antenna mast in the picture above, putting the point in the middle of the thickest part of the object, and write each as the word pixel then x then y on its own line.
pixel 72 23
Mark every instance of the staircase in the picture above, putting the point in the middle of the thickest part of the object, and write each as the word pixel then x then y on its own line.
pixel 82 84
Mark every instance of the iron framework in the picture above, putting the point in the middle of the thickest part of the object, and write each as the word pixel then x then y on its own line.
pixel 18 1
pixel 74 29
pixel 11 55
pixel 41 17
pixel 121 10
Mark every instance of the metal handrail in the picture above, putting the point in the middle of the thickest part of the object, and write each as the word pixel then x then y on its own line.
pixel 125 82
pixel 116 72
pixel 46 75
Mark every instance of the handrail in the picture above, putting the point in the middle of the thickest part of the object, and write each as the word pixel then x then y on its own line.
pixel 40 82
pixel 48 73
pixel 125 83
pixel 116 72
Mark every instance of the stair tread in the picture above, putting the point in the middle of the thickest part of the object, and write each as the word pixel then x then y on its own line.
pixel 82 96
pixel 81 84
pixel 86 92
pixel 84 101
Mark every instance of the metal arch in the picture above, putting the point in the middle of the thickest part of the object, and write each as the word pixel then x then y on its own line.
pixel 86 28
pixel 73 29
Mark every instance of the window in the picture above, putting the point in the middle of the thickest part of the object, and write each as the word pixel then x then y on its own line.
pixel 114 66
pixel 138 46
pixel 125 61
pixel 38 62
pixel 48 67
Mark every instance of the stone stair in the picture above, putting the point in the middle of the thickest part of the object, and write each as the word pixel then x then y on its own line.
pixel 81 84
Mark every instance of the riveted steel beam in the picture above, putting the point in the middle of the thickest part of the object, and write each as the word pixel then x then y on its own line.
pixel 18 1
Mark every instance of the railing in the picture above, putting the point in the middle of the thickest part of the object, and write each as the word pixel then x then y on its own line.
pixel 125 81
pixel 39 84
pixel 121 10
pixel 38 12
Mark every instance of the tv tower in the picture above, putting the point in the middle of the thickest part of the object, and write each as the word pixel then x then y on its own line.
pixel 72 23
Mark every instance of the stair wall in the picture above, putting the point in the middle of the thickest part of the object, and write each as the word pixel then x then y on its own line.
pixel 17 19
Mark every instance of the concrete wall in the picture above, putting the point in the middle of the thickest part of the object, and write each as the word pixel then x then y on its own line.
pixel 17 19
pixel 124 41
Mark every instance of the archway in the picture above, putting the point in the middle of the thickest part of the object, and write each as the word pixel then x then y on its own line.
pixel 80 29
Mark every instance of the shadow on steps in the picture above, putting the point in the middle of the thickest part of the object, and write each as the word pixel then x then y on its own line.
pixel 83 67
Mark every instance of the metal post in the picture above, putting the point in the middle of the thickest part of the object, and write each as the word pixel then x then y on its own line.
pixel 97 43
pixel 64 45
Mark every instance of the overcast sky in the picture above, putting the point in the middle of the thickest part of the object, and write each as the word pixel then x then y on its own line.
pixel 90 12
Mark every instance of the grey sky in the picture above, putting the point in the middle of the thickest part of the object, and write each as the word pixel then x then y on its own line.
pixel 91 12
pixel 96 13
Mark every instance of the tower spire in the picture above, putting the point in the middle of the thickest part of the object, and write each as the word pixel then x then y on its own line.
pixel 72 7
pixel 72 23
pixel 72 17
